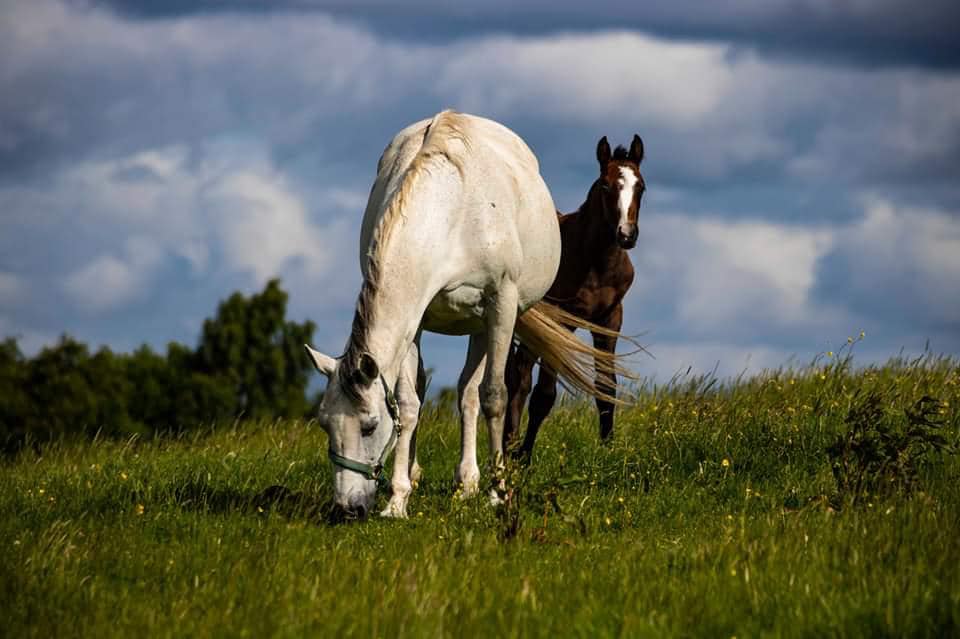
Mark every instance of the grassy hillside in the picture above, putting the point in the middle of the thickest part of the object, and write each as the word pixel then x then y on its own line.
pixel 715 512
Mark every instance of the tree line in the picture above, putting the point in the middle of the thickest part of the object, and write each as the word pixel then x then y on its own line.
pixel 248 362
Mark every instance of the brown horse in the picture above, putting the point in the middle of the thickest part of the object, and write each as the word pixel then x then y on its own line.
pixel 595 273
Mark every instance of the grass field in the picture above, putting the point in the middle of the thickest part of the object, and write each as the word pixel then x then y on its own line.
pixel 715 512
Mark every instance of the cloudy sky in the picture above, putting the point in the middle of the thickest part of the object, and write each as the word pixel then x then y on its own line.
pixel 802 160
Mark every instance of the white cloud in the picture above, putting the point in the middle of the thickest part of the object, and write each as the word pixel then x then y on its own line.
pixel 777 262
pixel 11 286
pixel 712 290
pixel 224 211
pixel 720 273
pixel 715 109
pixel 902 258
pixel 590 77
pixel 29 341
pixel 108 282
pixel 262 225
pixel 711 109
pixel 104 283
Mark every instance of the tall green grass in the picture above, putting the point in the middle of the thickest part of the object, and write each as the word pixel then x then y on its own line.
pixel 715 512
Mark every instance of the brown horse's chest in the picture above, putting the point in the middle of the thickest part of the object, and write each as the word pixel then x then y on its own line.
pixel 592 290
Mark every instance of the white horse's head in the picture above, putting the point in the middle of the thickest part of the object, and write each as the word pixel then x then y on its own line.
pixel 358 413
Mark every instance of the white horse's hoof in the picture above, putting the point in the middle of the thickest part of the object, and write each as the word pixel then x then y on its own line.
pixel 469 489
pixel 416 473
pixel 395 510
pixel 468 480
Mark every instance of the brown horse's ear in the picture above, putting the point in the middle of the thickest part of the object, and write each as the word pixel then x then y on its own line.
pixel 603 152
pixel 636 150
pixel 366 372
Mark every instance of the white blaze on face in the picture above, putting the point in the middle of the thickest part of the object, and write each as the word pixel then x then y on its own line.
pixel 627 183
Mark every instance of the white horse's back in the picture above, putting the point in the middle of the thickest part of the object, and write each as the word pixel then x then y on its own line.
pixel 485 213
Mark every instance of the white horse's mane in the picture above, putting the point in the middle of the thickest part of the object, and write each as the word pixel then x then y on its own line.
pixel 445 127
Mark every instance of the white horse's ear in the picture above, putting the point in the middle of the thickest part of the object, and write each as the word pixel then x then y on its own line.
pixel 324 363
pixel 367 370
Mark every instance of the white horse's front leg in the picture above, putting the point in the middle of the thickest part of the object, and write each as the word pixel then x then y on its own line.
pixel 468 473
pixel 415 470
pixel 409 403
pixel 493 390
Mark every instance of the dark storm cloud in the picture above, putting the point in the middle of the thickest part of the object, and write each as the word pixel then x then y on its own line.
pixel 870 34
pixel 291 83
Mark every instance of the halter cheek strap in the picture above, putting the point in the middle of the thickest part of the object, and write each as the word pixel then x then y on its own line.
pixel 374 471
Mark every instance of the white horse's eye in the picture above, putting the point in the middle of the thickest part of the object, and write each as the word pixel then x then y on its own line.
pixel 368 428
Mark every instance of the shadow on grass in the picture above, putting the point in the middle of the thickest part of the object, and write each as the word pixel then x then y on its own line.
pixel 293 505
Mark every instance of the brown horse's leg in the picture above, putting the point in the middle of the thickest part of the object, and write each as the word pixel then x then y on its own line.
pixel 519 378
pixel 607 381
pixel 541 401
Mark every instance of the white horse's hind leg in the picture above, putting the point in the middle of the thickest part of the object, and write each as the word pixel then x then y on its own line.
pixel 409 402
pixel 468 473
pixel 493 389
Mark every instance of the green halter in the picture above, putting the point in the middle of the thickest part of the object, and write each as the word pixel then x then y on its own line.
pixel 374 471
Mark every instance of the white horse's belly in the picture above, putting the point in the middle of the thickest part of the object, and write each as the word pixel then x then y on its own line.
pixel 456 311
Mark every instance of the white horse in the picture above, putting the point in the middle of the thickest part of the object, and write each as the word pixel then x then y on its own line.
pixel 460 236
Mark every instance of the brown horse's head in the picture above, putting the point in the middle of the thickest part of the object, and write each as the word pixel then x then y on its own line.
pixel 620 188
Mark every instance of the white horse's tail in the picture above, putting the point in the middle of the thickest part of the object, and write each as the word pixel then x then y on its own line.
pixel 545 330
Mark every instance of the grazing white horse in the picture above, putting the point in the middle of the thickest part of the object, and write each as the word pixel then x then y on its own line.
pixel 460 236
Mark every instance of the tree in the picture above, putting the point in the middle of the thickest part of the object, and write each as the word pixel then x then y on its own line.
pixel 250 347
pixel 13 397
pixel 249 362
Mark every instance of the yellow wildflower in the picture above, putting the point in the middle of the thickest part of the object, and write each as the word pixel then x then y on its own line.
pixel 725 463
pixel 140 509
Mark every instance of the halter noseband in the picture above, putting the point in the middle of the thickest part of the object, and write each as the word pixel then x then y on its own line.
pixel 374 471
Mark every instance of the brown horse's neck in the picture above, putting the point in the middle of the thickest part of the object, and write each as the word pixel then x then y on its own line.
pixel 598 238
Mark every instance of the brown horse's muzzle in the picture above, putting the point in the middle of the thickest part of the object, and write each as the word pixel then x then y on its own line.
pixel 627 235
